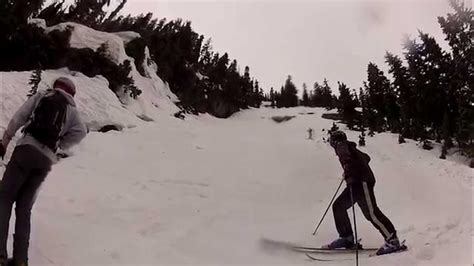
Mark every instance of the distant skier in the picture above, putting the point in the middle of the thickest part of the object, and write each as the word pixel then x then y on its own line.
pixel 360 178
pixel 310 133
pixel 50 121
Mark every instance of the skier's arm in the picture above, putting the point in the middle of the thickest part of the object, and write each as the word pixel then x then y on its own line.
pixel 346 159
pixel 20 118
pixel 76 131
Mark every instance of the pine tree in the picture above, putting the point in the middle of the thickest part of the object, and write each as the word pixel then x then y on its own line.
pixel 377 88
pixel 403 91
pixel 103 51
pixel 317 99
pixel 328 97
pixel 114 13
pixel 288 95
pixel 346 105
pixel 53 14
pixel 129 85
pixel 272 97
pixel 322 95
pixel 458 28
pixel 305 100
pixel 88 12
pixel 362 138
pixel 35 81
pixel 428 66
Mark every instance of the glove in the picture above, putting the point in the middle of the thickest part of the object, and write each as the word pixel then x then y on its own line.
pixel 2 150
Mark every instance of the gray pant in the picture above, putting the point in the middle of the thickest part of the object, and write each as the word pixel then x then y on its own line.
pixel 25 172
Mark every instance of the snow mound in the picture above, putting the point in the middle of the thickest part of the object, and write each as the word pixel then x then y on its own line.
pixel 156 97
pixel 85 37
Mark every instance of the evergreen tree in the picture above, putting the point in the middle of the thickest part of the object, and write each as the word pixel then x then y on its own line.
pixel 288 95
pixel 317 100
pixel 403 91
pixel 458 28
pixel 35 81
pixel 53 14
pixel 376 89
pixel 305 100
pixel 327 96
pixel 114 13
pixel 362 138
pixel 272 97
pixel 346 105
pixel 322 95
pixel 428 66
pixel 88 12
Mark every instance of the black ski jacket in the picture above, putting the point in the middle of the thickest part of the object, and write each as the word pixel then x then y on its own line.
pixel 355 163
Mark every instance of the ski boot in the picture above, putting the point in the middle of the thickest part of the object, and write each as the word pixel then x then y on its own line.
pixel 391 245
pixel 343 243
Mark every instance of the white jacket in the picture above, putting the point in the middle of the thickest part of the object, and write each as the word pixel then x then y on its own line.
pixel 74 130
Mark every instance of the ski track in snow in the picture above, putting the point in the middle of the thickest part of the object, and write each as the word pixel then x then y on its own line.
pixel 205 190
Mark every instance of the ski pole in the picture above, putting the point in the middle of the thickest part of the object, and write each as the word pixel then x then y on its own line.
pixel 355 227
pixel 327 209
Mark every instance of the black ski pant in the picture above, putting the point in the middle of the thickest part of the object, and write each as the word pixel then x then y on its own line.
pixel 25 172
pixel 363 195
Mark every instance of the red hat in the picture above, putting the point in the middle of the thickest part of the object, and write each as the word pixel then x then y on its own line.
pixel 66 85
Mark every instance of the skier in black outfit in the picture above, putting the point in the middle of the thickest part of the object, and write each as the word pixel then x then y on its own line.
pixel 360 179
pixel 50 121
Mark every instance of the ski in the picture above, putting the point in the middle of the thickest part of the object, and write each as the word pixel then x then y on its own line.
pixel 311 257
pixel 327 250
pixel 403 248
pixel 274 244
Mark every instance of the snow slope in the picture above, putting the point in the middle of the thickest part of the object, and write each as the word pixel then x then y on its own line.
pixel 205 191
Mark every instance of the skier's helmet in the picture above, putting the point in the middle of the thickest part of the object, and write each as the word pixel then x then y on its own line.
pixel 337 136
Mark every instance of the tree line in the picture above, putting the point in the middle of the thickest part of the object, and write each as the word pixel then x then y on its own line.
pixel 203 80
pixel 430 95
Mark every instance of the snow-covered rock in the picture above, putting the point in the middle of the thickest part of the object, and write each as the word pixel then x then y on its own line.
pixel 97 104
pixel 156 97
pixel 85 37
pixel 38 22
pixel 128 36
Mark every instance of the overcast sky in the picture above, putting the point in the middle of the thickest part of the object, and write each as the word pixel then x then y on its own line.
pixel 309 40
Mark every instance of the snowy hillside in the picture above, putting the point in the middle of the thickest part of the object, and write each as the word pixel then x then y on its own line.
pixel 205 191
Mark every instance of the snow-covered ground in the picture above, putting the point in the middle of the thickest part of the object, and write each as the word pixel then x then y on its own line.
pixel 204 191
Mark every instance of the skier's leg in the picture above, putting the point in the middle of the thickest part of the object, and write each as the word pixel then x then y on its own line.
pixel 372 212
pixel 24 203
pixel 13 179
pixel 339 208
